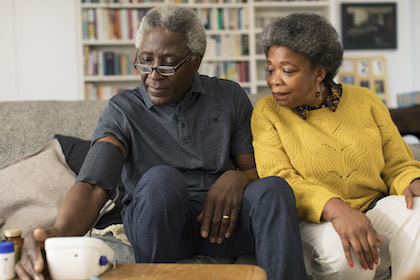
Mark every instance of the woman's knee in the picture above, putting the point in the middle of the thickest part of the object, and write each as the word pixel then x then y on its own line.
pixel 340 269
pixel 324 254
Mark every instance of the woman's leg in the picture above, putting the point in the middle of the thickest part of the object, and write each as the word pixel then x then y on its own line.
pixel 400 228
pixel 324 254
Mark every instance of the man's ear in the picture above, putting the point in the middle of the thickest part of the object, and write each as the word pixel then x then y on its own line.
pixel 196 62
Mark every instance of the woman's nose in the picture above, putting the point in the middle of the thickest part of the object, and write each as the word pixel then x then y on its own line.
pixel 275 79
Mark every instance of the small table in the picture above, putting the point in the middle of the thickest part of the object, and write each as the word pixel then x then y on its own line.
pixel 181 271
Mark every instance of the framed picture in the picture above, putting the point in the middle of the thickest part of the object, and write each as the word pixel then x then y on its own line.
pixel 367 72
pixel 369 25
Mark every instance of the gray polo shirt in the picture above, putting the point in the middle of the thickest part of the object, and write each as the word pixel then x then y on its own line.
pixel 198 136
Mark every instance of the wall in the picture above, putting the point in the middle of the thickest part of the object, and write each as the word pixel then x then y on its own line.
pixel 401 62
pixel 415 37
pixel 40 49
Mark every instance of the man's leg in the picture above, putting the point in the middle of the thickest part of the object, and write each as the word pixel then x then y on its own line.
pixel 269 205
pixel 158 219
pixel 268 224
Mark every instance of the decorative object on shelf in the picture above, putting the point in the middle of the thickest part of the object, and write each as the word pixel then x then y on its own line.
pixel 367 72
pixel 369 25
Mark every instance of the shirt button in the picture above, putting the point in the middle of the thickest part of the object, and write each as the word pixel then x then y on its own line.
pixel 182 124
pixel 216 119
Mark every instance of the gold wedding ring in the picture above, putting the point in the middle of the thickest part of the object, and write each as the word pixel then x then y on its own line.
pixel 226 217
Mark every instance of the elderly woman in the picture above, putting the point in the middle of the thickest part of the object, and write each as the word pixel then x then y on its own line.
pixel 355 181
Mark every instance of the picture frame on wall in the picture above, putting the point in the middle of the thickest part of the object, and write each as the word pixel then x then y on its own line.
pixel 368 26
pixel 369 72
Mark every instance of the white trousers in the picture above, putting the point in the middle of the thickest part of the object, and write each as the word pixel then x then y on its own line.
pixel 398 226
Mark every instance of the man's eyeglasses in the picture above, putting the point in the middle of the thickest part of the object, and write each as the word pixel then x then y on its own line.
pixel 162 70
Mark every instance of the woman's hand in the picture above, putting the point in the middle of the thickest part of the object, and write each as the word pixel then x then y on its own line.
pixel 411 191
pixel 221 208
pixel 355 231
pixel 32 261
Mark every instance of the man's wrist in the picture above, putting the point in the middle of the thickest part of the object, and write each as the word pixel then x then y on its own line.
pixel 251 175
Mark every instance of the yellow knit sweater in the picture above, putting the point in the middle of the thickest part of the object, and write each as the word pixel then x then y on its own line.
pixel 355 153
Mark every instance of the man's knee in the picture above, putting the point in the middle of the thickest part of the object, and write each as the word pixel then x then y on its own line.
pixel 161 182
pixel 271 188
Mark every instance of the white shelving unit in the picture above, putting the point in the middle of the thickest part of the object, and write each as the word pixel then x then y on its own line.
pixel 235 25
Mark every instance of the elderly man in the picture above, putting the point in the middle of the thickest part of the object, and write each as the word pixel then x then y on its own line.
pixel 181 143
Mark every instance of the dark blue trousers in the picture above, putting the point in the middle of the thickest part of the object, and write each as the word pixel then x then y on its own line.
pixel 161 224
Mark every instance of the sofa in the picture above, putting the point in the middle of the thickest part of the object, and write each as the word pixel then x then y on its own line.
pixel 42 145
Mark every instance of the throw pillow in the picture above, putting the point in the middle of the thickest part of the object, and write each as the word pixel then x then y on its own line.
pixel 74 149
pixel 33 187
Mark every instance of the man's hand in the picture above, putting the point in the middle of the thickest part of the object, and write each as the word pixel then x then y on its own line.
pixel 32 262
pixel 355 231
pixel 222 206
pixel 411 191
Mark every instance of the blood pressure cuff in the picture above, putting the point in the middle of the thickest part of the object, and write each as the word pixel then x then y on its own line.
pixel 102 166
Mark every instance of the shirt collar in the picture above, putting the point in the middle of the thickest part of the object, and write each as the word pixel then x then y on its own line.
pixel 331 102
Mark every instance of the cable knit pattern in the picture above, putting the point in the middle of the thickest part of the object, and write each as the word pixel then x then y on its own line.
pixel 355 153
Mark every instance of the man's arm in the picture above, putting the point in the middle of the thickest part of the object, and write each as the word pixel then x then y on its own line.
pixel 78 212
pixel 224 199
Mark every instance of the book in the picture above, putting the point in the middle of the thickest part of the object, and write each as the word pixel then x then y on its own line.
pixel 92 24
pixel 108 59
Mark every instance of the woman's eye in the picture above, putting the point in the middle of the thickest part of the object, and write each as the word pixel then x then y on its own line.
pixel 270 71
pixel 288 72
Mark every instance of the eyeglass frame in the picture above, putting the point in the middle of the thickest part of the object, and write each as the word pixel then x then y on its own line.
pixel 174 68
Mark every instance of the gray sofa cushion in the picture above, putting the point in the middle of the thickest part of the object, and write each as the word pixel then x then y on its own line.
pixel 416 151
pixel 26 126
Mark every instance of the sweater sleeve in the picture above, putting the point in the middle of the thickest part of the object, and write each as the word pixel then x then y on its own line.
pixel 272 160
pixel 400 167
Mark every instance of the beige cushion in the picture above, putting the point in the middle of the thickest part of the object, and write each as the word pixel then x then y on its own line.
pixel 33 187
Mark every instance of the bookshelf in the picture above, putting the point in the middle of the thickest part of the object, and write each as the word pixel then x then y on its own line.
pixel 233 28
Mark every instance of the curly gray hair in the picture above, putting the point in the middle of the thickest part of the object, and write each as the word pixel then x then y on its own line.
pixel 175 18
pixel 308 34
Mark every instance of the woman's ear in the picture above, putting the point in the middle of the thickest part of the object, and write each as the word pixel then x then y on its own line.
pixel 321 73
pixel 196 62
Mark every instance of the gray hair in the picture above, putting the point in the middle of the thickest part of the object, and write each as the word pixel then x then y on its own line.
pixel 175 18
pixel 308 34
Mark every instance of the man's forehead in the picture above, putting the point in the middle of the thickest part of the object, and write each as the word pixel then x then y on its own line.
pixel 162 54
pixel 164 43
pixel 161 32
